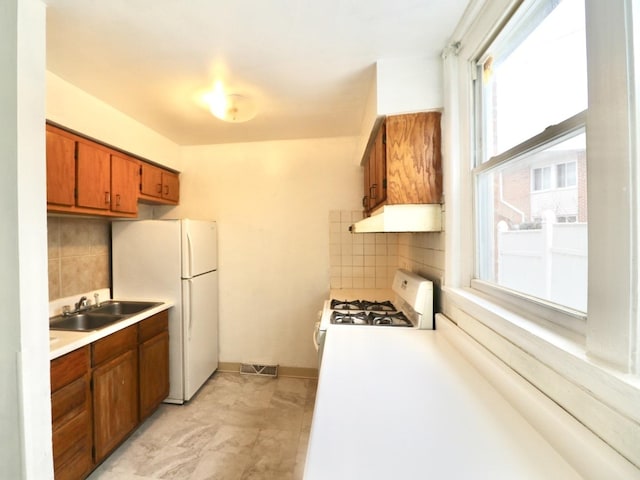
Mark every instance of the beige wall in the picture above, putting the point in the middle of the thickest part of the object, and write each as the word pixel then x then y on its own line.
pixel 78 255
pixel 272 202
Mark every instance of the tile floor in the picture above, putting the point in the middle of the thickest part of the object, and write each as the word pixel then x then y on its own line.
pixel 238 427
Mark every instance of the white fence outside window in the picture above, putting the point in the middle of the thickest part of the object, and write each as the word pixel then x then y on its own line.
pixel 548 263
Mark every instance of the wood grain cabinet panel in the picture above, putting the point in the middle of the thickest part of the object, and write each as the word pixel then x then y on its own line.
pixel 158 184
pixel 153 362
pixel 151 180
pixel 94 176
pixel 125 177
pixel 71 415
pixel 170 187
pixel 375 172
pixel 414 158
pixel 61 167
pixel 115 402
pixel 403 164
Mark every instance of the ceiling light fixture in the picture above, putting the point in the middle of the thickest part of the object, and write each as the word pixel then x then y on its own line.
pixel 232 107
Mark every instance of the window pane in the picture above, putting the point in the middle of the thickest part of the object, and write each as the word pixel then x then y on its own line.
pixel 532 240
pixel 534 74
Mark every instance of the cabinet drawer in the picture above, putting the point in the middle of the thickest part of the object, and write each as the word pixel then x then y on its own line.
pixel 113 345
pixel 69 401
pixel 72 448
pixel 69 367
pixel 152 326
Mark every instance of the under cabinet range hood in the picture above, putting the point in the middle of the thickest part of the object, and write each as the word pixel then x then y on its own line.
pixel 402 218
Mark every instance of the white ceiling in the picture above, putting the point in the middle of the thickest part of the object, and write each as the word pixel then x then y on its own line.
pixel 308 64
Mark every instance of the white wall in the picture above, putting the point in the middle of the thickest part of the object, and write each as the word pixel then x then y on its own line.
pixel 407 85
pixel 272 203
pixel 25 409
pixel 73 108
pixel 401 85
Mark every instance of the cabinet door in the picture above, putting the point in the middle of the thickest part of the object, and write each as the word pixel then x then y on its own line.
pixel 170 186
pixel 61 168
pixel 94 177
pixel 124 184
pixel 414 170
pixel 367 183
pixel 115 402
pixel 379 169
pixel 153 358
pixel 151 181
pixel 72 448
pixel 71 415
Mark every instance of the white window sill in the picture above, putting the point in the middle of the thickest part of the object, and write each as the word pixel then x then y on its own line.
pixel 556 362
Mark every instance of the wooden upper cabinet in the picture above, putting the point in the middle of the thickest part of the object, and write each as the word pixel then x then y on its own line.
pixel 61 167
pixel 170 186
pixel 90 178
pixel 125 175
pixel 151 180
pixel 94 176
pixel 414 158
pixel 158 184
pixel 376 173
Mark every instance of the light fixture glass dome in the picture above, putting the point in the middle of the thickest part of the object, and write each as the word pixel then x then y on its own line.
pixel 232 108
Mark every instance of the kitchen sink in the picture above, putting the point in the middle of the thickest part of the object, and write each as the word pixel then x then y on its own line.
pixel 118 307
pixel 99 317
pixel 84 322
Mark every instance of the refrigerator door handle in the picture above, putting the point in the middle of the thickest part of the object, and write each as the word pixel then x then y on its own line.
pixel 189 255
pixel 188 308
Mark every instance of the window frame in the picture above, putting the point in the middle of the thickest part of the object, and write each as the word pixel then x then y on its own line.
pixel 563 316
pixel 594 376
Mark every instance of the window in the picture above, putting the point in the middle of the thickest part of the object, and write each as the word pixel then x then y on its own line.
pixel 531 99
pixel 565 175
pixel 542 178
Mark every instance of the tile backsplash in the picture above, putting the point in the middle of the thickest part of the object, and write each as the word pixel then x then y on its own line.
pixel 78 251
pixel 369 260
pixel 363 260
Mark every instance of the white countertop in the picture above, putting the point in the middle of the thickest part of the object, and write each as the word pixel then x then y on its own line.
pixel 62 341
pixel 404 404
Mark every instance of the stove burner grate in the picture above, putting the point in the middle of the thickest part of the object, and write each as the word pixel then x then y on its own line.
pixel 350 318
pixel 346 305
pixel 385 306
pixel 394 319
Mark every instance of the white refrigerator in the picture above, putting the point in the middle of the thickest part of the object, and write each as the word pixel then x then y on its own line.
pixel 177 261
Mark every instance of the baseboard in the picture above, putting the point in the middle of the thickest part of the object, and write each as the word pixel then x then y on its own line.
pixel 294 372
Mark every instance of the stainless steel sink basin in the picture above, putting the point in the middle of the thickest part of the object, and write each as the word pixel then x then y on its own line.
pixel 83 322
pixel 99 317
pixel 118 307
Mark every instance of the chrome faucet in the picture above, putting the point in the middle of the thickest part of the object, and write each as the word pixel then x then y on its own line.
pixel 82 304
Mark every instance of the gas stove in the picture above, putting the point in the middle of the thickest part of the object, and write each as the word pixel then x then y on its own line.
pixel 383 314
pixel 409 304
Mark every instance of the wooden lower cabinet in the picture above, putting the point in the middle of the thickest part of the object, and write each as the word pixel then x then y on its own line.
pixel 101 393
pixel 71 415
pixel 153 361
pixel 115 402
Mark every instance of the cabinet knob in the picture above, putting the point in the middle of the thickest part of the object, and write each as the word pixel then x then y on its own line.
pixel 107 198
pixel 372 191
pixel 159 185
pixel 365 202
pixel 117 200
